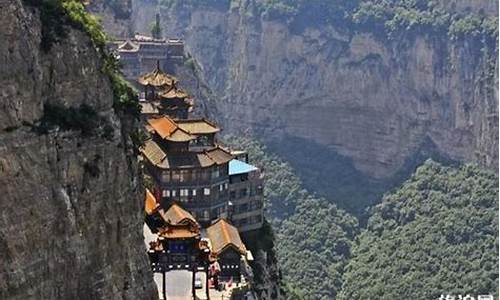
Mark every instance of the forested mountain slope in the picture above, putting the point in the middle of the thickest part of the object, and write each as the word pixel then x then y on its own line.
pixel 436 234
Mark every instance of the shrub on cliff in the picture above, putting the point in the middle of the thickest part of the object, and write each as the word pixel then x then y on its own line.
pixel 83 118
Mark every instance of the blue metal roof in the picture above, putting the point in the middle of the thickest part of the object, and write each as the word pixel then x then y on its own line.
pixel 238 167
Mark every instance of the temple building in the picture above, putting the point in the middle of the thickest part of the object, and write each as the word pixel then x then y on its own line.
pixel 227 246
pixel 187 165
pixel 178 244
pixel 140 53
pixel 155 82
pixel 245 195
pixel 200 196
pixel 161 96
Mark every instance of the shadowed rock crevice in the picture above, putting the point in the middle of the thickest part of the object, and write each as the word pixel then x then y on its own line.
pixel 334 176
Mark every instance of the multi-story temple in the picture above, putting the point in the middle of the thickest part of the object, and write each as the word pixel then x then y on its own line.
pixel 201 195
pixel 140 53
pixel 186 163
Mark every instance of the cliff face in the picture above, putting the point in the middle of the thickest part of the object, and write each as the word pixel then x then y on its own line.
pixel 117 15
pixel 377 102
pixel 71 203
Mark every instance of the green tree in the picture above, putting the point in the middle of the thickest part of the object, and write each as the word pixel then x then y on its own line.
pixel 156 28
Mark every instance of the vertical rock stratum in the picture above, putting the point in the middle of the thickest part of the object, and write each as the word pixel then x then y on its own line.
pixel 70 204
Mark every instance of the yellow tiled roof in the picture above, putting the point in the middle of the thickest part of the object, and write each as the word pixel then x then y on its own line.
pixel 197 126
pixel 157 78
pixel 219 155
pixel 152 152
pixel 176 215
pixel 173 92
pixel 167 129
pixel 223 235
pixel 150 203
pixel 178 232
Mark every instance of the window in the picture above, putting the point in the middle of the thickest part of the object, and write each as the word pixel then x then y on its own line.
pixel 196 175
pixel 206 191
pixel 226 186
pixel 166 193
pixel 259 190
pixel 221 187
pixel 205 174
pixel 232 195
pixel 184 176
pixel 173 193
pixel 165 176
pixel 215 172
pixel 243 193
pixel 194 192
pixel 184 192
pixel 175 175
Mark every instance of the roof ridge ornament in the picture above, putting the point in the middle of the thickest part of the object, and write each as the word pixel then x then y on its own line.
pixel 158 65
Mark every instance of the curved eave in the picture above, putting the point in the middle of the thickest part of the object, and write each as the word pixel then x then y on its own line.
pixel 231 245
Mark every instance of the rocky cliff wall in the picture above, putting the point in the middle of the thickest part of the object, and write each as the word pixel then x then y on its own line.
pixel 71 202
pixel 116 15
pixel 374 101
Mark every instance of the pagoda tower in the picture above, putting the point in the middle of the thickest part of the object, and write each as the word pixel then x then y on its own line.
pixel 186 164
pixel 163 96
pixel 175 102
pixel 156 81
pixel 181 155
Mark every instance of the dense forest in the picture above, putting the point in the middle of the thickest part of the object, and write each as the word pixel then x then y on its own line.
pixel 435 234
